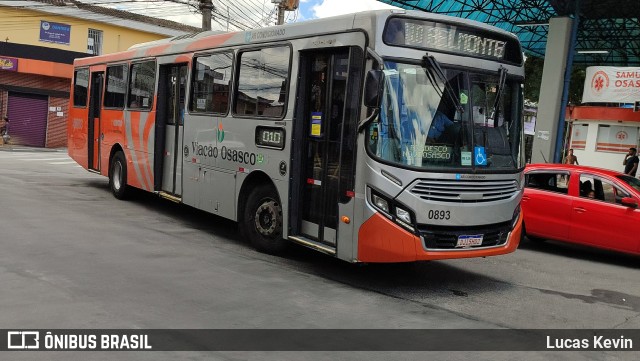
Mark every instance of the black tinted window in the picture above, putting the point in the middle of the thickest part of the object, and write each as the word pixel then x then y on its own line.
pixel 142 85
pixel 553 181
pixel 262 82
pixel 116 86
pixel 80 86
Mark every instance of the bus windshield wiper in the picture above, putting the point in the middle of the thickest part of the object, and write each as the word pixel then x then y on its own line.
pixel 502 78
pixel 434 72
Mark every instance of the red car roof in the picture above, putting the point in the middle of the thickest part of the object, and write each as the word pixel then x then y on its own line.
pixel 573 168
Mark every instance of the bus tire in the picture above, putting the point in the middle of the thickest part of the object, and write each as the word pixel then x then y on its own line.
pixel 118 176
pixel 262 220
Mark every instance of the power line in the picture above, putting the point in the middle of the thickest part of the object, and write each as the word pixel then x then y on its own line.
pixel 241 14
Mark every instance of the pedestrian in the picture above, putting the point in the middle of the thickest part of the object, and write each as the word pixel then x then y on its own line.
pixel 631 162
pixel 571 159
pixel 4 130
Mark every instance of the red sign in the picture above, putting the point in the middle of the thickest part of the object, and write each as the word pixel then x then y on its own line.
pixel 622 135
pixel 599 81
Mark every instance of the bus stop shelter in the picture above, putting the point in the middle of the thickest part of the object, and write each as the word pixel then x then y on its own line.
pixel 564 32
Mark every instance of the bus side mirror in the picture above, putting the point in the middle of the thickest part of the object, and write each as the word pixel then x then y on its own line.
pixel 373 88
pixel 629 202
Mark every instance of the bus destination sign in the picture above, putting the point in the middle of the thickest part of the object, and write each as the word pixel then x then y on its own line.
pixel 446 37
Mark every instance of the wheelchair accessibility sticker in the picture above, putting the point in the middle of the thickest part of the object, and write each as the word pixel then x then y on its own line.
pixel 480 156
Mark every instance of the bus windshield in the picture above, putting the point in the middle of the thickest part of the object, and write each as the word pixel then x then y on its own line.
pixel 449 119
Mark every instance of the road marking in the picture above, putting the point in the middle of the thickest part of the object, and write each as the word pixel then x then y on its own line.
pixel 65 162
pixel 42 159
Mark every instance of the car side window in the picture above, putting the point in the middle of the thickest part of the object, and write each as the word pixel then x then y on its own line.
pixel 600 189
pixel 612 194
pixel 548 181
pixel 587 186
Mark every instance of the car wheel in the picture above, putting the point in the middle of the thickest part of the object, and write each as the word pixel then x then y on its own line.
pixel 262 220
pixel 118 176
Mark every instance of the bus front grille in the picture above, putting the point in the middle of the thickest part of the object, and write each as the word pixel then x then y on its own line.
pixel 465 191
pixel 446 238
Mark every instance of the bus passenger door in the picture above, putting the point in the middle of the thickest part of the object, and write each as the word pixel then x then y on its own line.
pixel 174 82
pixel 326 142
pixel 95 101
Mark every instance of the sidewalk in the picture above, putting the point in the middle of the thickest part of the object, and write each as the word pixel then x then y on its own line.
pixel 24 148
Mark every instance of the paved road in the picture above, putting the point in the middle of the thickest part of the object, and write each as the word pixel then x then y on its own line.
pixel 72 256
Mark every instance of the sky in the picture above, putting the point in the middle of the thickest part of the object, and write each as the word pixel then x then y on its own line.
pixel 309 9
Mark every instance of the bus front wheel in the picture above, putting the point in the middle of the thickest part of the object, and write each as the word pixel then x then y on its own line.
pixel 262 220
pixel 118 176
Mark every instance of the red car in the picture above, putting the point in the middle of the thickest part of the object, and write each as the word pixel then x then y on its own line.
pixel 585 205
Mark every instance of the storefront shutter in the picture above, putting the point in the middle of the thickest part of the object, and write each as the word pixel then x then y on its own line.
pixel 28 119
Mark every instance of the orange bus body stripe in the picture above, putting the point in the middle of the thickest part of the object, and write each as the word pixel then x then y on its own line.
pixel 381 240
pixel 158 50
pixel 137 181
pixel 210 42
pixel 151 121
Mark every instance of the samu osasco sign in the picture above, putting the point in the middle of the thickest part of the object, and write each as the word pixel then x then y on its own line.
pixel 610 84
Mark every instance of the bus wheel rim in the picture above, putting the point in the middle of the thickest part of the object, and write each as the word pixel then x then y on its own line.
pixel 266 219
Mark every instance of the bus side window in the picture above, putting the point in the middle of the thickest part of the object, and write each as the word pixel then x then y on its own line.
pixel 262 82
pixel 116 86
pixel 80 88
pixel 210 83
pixel 142 85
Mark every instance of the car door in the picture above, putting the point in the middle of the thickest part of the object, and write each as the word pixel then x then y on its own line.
pixel 546 205
pixel 602 221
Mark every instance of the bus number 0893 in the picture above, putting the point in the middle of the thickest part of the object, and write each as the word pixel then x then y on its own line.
pixel 439 214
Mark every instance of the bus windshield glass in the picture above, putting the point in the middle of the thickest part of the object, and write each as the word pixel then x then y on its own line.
pixel 448 119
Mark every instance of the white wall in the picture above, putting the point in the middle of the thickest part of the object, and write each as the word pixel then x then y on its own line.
pixel 607 160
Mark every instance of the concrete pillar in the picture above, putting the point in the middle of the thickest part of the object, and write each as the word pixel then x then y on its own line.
pixel 550 100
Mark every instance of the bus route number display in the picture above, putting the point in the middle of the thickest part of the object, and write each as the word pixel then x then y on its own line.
pixel 446 37
pixel 270 137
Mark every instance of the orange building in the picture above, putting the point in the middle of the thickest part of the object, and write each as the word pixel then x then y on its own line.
pixel 39 41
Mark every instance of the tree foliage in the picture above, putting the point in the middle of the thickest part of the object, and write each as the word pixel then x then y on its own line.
pixel 533 78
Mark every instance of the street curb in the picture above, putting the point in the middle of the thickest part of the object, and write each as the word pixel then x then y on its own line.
pixel 21 148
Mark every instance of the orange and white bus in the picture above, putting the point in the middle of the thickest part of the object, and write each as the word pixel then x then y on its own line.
pixel 385 136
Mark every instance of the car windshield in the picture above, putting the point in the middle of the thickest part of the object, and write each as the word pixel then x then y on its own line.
pixel 448 119
pixel 631 181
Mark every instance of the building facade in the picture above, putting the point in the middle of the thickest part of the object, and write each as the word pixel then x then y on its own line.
pixel 604 128
pixel 39 41
pixel 601 136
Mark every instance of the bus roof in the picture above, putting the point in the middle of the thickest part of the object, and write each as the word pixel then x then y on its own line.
pixel 207 40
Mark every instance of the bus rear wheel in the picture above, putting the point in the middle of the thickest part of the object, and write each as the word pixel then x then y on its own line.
pixel 262 220
pixel 118 176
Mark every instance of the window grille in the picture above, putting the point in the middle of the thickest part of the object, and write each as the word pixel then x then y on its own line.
pixel 94 42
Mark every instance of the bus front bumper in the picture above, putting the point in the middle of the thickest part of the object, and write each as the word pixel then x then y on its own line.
pixel 380 240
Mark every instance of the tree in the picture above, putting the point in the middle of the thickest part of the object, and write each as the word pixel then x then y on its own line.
pixel 533 78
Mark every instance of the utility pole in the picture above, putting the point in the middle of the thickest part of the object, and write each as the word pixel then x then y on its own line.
pixel 281 10
pixel 206 7
pixel 285 5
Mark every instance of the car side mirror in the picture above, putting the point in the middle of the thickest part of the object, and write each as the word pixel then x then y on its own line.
pixel 373 88
pixel 629 202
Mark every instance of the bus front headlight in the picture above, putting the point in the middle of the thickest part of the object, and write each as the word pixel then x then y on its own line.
pixel 403 215
pixel 380 203
pixel 392 210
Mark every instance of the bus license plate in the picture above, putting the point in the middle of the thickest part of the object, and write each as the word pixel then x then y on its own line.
pixel 469 241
